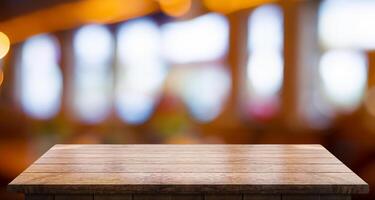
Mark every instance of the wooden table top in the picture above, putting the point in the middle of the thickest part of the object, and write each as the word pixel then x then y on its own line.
pixel 188 169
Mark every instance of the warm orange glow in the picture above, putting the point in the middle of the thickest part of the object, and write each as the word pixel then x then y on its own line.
pixel 72 14
pixel 1 76
pixel 228 6
pixel 4 44
pixel 175 8
pixel 370 101
pixel 76 13
pixel 99 11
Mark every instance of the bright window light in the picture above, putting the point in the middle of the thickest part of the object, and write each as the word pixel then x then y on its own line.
pixel 137 39
pixel 93 43
pixel 205 90
pixel 40 77
pixel 93 47
pixel 266 28
pixel 265 73
pixel 344 76
pixel 141 70
pixel 265 45
pixel 204 38
pixel 347 24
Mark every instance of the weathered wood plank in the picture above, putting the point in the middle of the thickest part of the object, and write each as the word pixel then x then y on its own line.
pixel 261 197
pixel 188 169
pixel 297 179
pixel 222 197
pixel 197 168
pixel 38 197
pixel 191 160
pixel 212 153
pixel 340 183
pixel 191 146
pixel 182 155
pixel 74 197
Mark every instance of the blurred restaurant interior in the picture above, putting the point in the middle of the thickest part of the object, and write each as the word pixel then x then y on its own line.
pixel 187 71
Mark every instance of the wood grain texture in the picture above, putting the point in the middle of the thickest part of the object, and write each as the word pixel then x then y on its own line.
pixel 187 197
pixel 188 169
pixel 301 197
pixel 261 197
pixel 190 160
pixel 151 197
pixel 38 197
pixel 316 197
pixel 185 168
pixel 167 197
pixel 335 197
pixel 222 197
pixel 74 197
pixel 113 197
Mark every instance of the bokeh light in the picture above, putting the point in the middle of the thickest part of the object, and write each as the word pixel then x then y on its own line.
pixel 93 47
pixel 205 90
pixel 204 38
pixel 348 24
pixel 265 28
pixel 4 44
pixel 344 77
pixel 175 8
pixel 93 43
pixel 265 73
pixel 265 46
pixel 141 70
pixel 40 77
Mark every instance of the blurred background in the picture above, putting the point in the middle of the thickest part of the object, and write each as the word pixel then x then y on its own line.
pixel 187 71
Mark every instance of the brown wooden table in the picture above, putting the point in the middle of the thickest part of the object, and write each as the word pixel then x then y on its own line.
pixel 259 172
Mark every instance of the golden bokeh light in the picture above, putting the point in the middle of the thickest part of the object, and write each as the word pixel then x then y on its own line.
pixel 1 76
pixel 229 6
pixel 175 8
pixel 73 14
pixel 4 44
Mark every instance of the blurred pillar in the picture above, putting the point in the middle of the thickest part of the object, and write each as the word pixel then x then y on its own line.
pixel 301 54
pixel 9 87
pixel 289 92
pixel 237 56
pixel 371 69
pixel 368 111
pixel 66 64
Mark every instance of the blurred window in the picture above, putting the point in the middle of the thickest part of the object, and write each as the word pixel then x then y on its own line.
pixel 348 24
pixel 40 77
pixel 204 90
pixel 204 38
pixel 344 77
pixel 345 29
pixel 200 45
pixel 141 70
pixel 265 61
pixel 93 48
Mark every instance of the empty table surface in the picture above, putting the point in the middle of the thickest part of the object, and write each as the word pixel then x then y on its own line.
pixel 188 169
